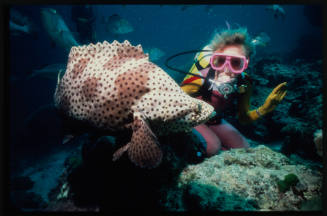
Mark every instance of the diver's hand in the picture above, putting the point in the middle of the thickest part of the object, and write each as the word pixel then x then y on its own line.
pixel 274 98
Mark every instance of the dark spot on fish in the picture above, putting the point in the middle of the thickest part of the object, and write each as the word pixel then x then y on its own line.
pixel 89 88
pixel 78 68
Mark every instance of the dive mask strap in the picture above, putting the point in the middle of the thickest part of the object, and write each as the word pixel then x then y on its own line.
pixel 183 53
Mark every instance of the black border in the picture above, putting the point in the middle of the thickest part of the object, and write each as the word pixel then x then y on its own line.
pixel 4 98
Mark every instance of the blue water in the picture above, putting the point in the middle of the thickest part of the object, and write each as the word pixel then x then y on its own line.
pixel 166 27
pixel 169 28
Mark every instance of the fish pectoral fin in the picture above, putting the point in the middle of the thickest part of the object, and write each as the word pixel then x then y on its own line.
pixel 144 150
pixel 67 138
pixel 120 152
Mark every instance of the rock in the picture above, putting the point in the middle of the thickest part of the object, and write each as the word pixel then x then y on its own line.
pixel 244 179
pixel 98 183
pixel 27 200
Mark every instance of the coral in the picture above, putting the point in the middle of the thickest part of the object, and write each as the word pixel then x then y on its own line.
pixel 63 192
pixel 235 180
pixel 68 206
pixel 245 179
pixel 314 204
pixel 289 180
pixel 215 199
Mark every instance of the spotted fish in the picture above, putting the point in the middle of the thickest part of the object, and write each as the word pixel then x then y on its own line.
pixel 114 86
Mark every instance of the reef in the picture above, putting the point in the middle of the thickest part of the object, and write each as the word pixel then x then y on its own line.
pixel 246 179
pixel 21 197
pixel 91 181
pixel 235 180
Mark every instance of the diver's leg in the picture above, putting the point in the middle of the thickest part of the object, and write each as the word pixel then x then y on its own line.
pixel 209 140
pixel 230 137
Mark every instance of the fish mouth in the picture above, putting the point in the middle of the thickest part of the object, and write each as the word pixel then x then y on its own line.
pixel 201 113
pixel 213 114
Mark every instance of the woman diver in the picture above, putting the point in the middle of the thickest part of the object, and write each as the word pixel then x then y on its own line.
pixel 224 80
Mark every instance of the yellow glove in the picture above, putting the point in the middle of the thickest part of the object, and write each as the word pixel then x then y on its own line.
pixel 274 98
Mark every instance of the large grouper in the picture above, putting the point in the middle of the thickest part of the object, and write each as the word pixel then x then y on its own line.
pixel 114 87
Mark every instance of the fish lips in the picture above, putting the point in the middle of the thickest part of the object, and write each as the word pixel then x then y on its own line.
pixel 200 114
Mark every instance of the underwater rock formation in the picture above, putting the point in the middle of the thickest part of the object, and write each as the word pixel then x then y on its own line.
pixel 235 180
pixel 91 181
pixel 21 197
pixel 244 179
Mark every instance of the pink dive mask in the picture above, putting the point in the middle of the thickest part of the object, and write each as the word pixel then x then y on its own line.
pixel 237 64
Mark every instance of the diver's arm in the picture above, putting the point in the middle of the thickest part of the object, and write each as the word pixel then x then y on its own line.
pixel 245 115
pixel 274 98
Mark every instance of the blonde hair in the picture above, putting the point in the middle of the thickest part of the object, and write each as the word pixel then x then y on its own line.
pixel 228 37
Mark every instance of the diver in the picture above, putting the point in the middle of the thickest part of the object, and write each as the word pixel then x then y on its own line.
pixel 84 17
pixel 224 80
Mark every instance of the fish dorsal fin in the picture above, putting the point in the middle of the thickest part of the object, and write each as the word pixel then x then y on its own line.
pixel 104 52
